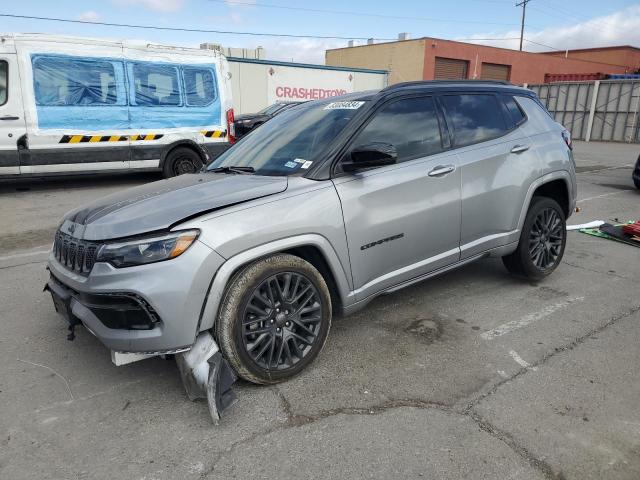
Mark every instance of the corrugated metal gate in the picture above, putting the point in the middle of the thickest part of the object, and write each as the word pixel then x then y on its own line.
pixel 495 71
pixel 605 110
pixel 450 69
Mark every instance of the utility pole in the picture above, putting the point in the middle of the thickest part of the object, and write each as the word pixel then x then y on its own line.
pixel 522 4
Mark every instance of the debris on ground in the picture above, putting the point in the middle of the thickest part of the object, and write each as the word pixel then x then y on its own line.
pixel 628 233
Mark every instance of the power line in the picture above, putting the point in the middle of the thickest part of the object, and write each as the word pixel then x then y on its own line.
pixel 360 14
pixel 198 30
pixel 183 29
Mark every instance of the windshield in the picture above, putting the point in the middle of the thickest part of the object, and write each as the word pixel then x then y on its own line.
pixel 291 142
pixel 271 109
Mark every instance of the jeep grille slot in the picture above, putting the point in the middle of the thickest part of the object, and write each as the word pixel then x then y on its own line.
pixel 76 255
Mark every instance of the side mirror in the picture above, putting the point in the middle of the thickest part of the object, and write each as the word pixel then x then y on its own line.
pixel 375 154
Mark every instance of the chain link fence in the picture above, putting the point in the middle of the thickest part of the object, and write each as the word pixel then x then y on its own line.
pixel 601 110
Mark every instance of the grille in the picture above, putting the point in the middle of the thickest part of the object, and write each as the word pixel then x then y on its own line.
pixel 76 255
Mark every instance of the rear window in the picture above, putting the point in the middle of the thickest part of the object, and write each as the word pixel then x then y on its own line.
pixel 515 112
pixel 68 81
pixel 474 117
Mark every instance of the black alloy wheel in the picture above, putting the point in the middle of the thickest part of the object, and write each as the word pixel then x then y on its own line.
pixel 274 318
pixel 281 321
pixel 546 238
pixel 542 241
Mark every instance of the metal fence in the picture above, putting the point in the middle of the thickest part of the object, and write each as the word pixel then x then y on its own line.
pixel 601 110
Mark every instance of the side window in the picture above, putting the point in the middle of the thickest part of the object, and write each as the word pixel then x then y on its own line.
pixel 199 84
pixel 156 85
pixel 515 112
pixel 62 81
pixel 411 125
pixel 474 117
pixel 4 80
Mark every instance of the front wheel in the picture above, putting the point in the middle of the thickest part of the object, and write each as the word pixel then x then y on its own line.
pixel 542 241
pixel 274 318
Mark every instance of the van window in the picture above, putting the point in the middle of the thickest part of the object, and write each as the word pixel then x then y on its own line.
pixel 410 125
pixel 474 117
pixel 4 78
pixel 156 85
pixel 69 81
pixel 199 86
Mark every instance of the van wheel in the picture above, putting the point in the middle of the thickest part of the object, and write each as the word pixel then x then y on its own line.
pixel 181 160
pixel 542 241
pixel 274 318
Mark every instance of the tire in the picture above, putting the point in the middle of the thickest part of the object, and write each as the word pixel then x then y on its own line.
pixel 542 241
pixel 260 341
pixel 181 160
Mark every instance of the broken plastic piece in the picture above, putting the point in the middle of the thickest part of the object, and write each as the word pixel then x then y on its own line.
pixel 206 374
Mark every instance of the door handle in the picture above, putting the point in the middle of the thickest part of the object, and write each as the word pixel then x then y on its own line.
pixel 9 117
pixel 441 170
pixel 520 149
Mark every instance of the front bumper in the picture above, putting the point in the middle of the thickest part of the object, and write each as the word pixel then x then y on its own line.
pixel 153 308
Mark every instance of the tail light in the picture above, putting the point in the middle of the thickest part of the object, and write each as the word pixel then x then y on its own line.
pixel 566 136
pixel 231 128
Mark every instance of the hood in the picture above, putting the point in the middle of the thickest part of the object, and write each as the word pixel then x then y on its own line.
pixel 158 205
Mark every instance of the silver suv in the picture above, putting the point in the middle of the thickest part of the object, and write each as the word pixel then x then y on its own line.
pixel 317 212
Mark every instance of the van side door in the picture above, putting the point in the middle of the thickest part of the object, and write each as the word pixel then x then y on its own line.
pixel 497 163
pixel 12 123
pixel 402 220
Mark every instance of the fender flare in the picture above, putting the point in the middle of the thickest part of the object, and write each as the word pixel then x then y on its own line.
pixel 548 177
pixel 225 272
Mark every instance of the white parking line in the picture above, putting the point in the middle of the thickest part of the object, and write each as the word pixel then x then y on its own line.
pixel 602 196
pixel 528 319
pixel 520 361
pixel 629 165
pixel 26 254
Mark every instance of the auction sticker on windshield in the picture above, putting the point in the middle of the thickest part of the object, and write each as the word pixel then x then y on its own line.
pixel 344 105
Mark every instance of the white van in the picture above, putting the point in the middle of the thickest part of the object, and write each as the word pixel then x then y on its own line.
pixel 78 105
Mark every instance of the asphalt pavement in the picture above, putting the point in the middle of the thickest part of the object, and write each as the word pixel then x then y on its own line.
pixel 470 375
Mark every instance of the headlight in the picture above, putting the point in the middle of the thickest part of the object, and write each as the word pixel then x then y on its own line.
pixel 147 250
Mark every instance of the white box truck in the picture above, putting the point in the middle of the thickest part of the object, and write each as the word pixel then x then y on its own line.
pixel 79 105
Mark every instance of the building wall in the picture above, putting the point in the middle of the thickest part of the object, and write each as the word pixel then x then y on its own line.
pixel 415 60
pixel 525 67
pixel 627 56
pixel 404 60
pixel 254 82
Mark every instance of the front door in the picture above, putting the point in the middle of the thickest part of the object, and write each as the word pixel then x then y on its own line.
pixel 12 123
pixel 402 220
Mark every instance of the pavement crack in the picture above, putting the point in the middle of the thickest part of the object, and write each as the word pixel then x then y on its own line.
pixel 504 437
pixel 564 348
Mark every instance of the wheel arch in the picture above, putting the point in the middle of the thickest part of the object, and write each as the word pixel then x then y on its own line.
pixel 185 142
pixel 313 248
pixel 555 185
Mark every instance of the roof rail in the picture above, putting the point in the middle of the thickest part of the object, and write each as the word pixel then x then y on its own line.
pixel 418 83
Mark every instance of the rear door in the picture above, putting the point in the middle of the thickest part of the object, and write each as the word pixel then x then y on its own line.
pixel 402 220
pixel 497 164
pixel 12 123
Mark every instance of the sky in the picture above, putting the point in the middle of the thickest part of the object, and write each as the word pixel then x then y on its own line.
pixel 550 24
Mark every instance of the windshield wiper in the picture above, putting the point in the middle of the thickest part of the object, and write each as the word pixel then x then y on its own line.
pixel 233 169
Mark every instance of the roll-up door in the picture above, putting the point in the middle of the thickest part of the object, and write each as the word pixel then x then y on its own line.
pixel 495 71
pixel 451 69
